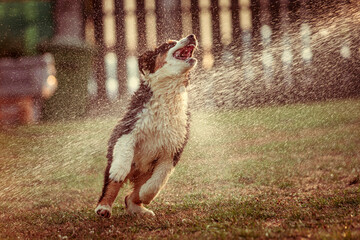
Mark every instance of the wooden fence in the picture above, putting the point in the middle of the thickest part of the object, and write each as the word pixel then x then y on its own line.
pixel 287 50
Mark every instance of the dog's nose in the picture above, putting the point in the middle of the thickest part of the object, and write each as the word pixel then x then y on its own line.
pixel 191 37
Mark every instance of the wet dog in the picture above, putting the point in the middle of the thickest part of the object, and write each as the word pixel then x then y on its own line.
pixel 147 143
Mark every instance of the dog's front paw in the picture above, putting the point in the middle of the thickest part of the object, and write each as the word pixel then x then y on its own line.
pixel 103 211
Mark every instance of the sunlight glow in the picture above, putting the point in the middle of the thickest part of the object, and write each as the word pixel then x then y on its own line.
pixel 245 15
pixel 208 60
pixel 225 21
pixel 90 32
pixel 150 21
pixel 51 80
pixel 186 17
pixel 109 23
pixel 324 32
pixel 131 25
pixel 287 56
pixel 267 59
pixel 345 51
pixel 50 86
pixel 132 73
pixel 205 25
pixel 307 54
pixel 112 87
pixel 266 31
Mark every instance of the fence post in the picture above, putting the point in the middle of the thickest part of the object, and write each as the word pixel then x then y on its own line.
pixel 120 46
pixel 195 18
pixel 216 35
pixel 247 68
pixel 254 6
pixel 287 56
pixel 141 26
pixel 99 63
pixel 159 22
pixel 236 31
pixel 305 88
pixel 266 32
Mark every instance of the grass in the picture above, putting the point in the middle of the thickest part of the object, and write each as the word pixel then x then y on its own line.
pixel 274 172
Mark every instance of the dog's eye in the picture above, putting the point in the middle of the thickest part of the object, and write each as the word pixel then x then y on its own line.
pixel 165 47
pixel 172 44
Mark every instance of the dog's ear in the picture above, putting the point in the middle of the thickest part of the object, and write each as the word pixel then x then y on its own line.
pixel 147 62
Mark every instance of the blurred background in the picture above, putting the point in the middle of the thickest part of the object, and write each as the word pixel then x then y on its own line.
pixel 64 59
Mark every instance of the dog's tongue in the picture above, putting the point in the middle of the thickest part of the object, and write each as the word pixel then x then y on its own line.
pixel 184 52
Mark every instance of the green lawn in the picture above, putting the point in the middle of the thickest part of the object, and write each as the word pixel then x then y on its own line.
pixel 274 172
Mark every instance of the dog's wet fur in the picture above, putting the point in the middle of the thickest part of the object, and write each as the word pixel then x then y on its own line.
pixel 148 142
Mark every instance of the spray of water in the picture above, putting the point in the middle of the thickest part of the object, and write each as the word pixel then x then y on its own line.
pixel 287 71
pixel 41 165
pixel 312 59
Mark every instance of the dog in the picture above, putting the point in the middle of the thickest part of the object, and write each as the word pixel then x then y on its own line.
pixel 147 143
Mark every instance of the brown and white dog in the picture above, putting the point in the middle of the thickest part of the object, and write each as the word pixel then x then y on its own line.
pixel 147 143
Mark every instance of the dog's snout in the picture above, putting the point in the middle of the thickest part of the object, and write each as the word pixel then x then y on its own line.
pixel 192 38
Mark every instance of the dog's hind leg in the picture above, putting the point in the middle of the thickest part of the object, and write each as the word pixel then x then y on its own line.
pixel 147 187
pixel 115 174
pixel 157 181
pixel 132 201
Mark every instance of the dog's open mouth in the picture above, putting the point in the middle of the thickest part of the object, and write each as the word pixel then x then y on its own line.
pixel 185 52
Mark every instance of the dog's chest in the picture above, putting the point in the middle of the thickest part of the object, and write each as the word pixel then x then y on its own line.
pixel 162 124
